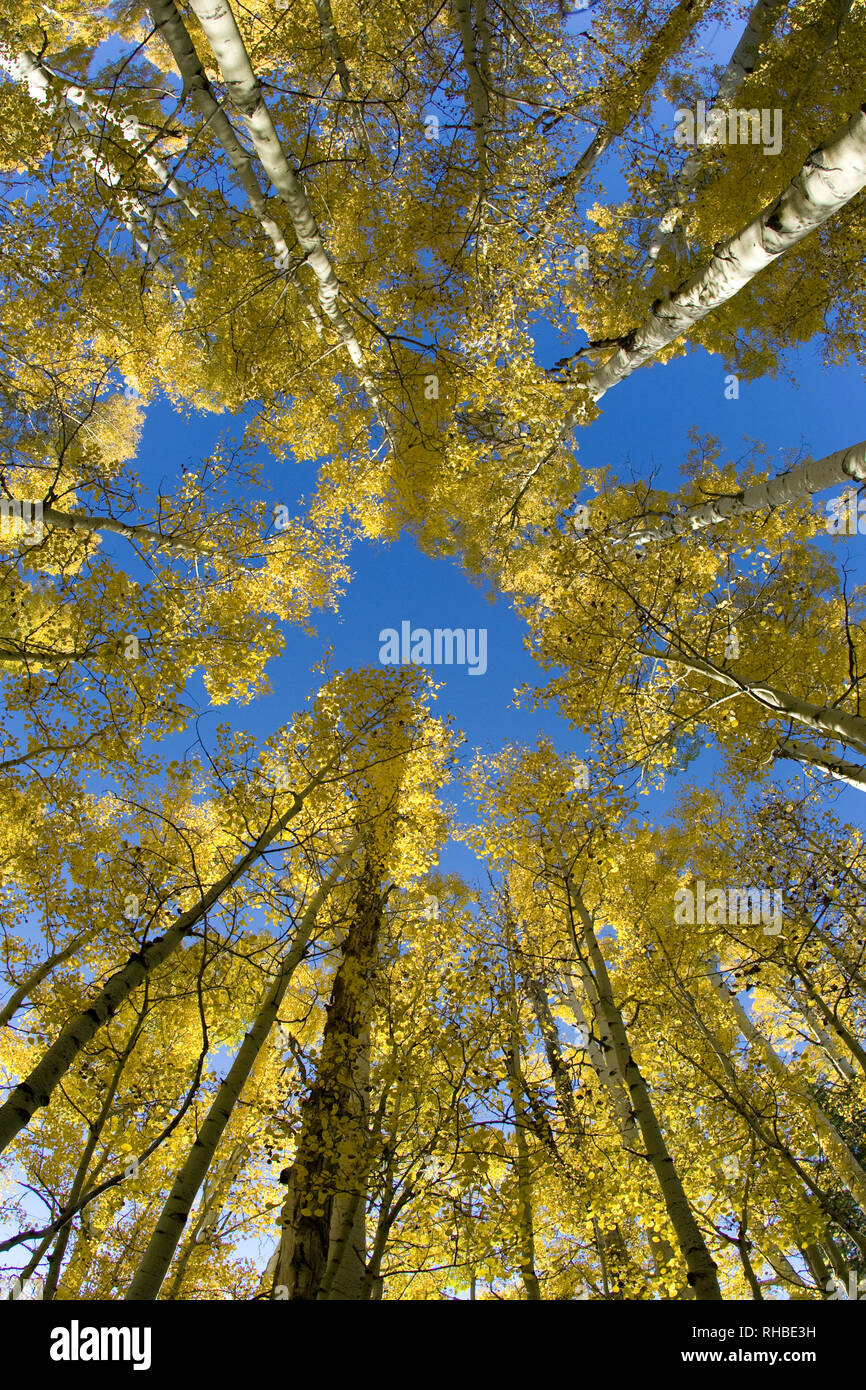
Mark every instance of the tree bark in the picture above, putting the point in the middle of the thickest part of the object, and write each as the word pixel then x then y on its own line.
pixel 36 1090
pixel 833 470
pixel 837 1150
pixel 854 774
pixel 148 1278
pixel 702 1276
pixel 742 64
pixel 830 178
pixel 328 1173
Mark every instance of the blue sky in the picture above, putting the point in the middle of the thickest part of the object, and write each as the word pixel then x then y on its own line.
pixel 644 426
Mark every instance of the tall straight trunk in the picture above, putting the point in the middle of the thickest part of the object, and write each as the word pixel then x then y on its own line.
pixel 478 96
pixel 822 1039
pixel 770 1139
pixel 517 1090
pixel 95 1129
pixel 219 24
pixel 334 47
pixel 536 990
pixel 829 1019
pixel 607 1073
pixel 324 1210
pixel 148 1278
pixel 829 179
pixel 742 64
pixel 213 1198
pixel 525 1222
pixel 702 1276
pixel 834 470
pixel 837 1150
pixel 851 973
pixel 808 755
pixel 170 26
pixel 781 1264
pixel 38 1087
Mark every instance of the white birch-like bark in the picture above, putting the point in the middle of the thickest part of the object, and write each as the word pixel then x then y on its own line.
pixel 742 64
pixel 148 1278
pixel 702 1271
pixel 479 100
pixel 678 25
pixel 334 47
pixel 829 179
pixel 24 67
pixel 837 469
pixel 807 754
pixel 525 1226
pixel 607 1074
pixel 219 24
pixel 837 1150
pixel 81 521
pixel 172 29
pixel 214 1195
pixel 822 719
pixel 38 1087
pixel 36 976
pixel 131 131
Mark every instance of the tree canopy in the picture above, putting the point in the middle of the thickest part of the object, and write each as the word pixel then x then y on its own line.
pixel 257 1040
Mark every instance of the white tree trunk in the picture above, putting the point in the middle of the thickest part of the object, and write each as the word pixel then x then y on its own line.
pixel 822 719
pixel 810 756
pixel 219 24
pixel 38 1087
pixel 830 178
pixel 148 1278
pixel 836 469
pixel 332 42
pixel 837 1150
pixel 741 66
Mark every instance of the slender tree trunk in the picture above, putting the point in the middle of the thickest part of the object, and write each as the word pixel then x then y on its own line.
pixel 36 1090
pixel 525 1224
pixel 213 1197
pixel 662 46
pixel 334 47
pixel 80 521
pixel 837 1150
pixel 151 1272
pixel 701 1268
pixel 537 993
pixel 830 178
pixel 218 22
pixel 834 470
pixel 822 719
pixel 742 64
pixel 35 978
pixel 94 1133
pixel 607 1074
